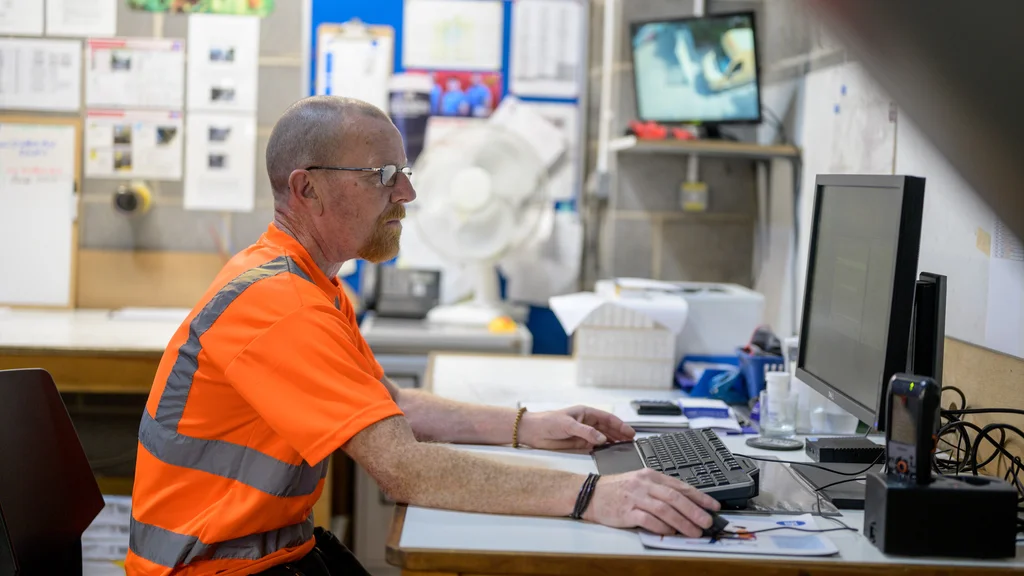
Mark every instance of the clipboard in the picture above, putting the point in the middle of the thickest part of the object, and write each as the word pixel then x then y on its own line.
pixel 356 60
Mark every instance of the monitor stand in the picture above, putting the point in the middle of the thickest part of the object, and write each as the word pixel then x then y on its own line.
pixel 713 132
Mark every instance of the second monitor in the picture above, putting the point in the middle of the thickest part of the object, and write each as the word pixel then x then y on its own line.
pixel 697 70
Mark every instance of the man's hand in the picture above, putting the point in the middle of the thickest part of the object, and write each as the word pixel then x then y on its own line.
pixel 650 500
pixel 572 429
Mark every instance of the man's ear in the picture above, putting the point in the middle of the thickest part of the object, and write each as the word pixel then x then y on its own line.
pixel 300 184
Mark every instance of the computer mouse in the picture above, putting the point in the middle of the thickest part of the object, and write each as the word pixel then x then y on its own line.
pixel 718 525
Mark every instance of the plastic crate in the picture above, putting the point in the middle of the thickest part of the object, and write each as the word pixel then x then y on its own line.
pixel 713 368
pixel 753 369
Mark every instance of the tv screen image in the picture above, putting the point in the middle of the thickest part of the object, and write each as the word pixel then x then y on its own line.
pixel 697 70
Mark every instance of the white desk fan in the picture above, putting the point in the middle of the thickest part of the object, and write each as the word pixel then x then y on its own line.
pixel 481 194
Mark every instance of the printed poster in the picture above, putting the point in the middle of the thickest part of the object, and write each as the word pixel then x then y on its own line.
pixel 259 8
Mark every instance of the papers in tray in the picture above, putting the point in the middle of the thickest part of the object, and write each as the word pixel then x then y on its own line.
pixel 786 541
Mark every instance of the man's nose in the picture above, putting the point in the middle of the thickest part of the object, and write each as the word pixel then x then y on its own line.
pixel 403 192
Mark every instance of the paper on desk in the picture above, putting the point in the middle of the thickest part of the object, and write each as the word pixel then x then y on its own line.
pixel 774 543
pixel 623 411
pixel 728 424
pixel 645 285
pixel 717 414
pixel 572 309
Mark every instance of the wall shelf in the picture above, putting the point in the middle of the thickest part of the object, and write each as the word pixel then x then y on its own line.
pixel 719 148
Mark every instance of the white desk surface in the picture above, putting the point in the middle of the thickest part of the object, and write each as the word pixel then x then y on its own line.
pixel 503 381
pixel 88 330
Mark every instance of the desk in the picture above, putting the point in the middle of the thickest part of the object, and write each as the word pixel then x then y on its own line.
pixel 86 350
pixel 443 542
pixel 96 352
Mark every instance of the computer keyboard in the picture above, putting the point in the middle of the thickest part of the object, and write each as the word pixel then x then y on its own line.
pixel 697 457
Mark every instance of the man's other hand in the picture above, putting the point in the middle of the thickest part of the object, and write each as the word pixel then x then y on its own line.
pixel 650 500
pixel 573 428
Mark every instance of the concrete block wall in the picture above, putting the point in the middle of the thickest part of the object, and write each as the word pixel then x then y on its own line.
pixel 168 226
pixel 641 230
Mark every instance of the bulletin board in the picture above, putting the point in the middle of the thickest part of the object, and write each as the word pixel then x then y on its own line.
pixel 563 106
pixel 559 100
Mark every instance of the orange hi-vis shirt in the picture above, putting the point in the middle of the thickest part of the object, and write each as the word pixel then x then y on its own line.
pixel 266 378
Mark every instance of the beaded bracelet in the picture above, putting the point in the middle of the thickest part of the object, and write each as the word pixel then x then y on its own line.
pixel 515 428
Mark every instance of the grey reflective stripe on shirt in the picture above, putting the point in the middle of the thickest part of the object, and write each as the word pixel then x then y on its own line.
pixel 179 383
pixel 241 463
pixel 171 549
pixel 337 303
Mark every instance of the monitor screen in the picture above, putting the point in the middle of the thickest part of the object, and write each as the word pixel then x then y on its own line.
pixel 697 69
pixel 851 289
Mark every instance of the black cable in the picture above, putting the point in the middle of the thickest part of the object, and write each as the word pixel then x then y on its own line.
pixel 963 398
pixel 983 433
pixel 778 123
pixel 809 530
pixel 880 456
pixel 984 411
pixel 831 484
pixel 999 446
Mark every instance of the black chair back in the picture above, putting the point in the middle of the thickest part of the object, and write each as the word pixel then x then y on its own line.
pixel 48 494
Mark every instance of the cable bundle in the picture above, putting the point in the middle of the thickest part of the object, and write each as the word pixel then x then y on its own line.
pixel 963 455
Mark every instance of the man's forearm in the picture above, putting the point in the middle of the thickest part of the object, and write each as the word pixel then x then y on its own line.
pixel 438 476
pixel 437 419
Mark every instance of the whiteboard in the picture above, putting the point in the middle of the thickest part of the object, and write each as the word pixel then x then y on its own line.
pixel 963 239
pixel 37 213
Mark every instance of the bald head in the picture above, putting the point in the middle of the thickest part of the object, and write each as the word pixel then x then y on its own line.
pixel 311 132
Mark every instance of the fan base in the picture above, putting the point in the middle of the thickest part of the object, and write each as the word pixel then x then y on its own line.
pixel 466 314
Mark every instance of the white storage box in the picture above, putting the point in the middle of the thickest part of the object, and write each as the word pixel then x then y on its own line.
pixel 107 536
pixel 720 318
pixel 104 548
pixel 622 344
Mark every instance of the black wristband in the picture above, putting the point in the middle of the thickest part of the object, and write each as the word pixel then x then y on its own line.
pixel 583 498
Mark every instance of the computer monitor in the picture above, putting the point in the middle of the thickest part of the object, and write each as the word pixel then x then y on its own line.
pixel 859 293
pixel 697 70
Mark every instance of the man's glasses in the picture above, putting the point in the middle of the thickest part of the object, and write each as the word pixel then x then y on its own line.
pixel 388 173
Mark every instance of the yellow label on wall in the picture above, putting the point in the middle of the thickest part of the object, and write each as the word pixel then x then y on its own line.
pixel 694 196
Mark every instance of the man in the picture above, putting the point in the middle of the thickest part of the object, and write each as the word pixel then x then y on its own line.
pixel 269 375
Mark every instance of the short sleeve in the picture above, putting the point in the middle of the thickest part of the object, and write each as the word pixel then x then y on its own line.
pixel 364 348
pixel 308 379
